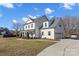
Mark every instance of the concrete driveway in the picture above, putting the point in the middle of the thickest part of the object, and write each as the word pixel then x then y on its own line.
pixel 66 47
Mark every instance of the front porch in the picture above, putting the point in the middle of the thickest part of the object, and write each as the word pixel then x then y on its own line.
pixel 27 34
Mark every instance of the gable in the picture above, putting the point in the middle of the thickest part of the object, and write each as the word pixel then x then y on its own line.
pixel 45 24
pixel 59 24
pixel 29 21
pixel 59 27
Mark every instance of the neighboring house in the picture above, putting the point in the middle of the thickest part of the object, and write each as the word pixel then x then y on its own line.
pixel 74 33
pixel 5 32
pixel 41 27
pixel 32 27
pixel 53 29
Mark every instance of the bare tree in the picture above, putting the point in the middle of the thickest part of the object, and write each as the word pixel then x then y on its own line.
pixel 66 22
pixel 70 25
pixel 17 28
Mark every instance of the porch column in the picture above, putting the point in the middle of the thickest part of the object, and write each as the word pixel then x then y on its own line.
pixel 20 34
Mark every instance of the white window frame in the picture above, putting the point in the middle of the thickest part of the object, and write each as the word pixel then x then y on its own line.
pixel 49 33
pixel 42 32
pixel 31 25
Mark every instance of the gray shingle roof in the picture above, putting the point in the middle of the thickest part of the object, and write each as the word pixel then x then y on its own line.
pixel 41 18
pixel 39 21
pixel 53 22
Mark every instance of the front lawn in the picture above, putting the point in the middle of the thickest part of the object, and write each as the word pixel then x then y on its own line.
pixel 12 47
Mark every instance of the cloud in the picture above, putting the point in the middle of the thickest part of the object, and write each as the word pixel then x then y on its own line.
pixel 24 19
pixel 19 4
pixel 1 15
pixel 68 5
pixel 36 9
pixel 51 16
pixel 7 5
pixel 49 11
pixel 15 21
pixel 38 15
pixel 33 17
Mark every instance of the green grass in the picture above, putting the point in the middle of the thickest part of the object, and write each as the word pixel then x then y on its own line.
pixel 12 47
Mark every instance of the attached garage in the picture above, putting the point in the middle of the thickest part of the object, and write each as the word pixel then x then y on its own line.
pixel 58 35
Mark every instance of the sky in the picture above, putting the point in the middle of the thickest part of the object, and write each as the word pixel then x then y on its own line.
pixel 18 12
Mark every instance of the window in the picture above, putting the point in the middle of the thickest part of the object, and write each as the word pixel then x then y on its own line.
pixel 42 33
pixel 45 24
pixel 49 33
pixel 31 25
pixel 59 25
pixel 28 26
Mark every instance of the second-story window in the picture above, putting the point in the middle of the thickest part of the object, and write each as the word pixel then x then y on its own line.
pixel 28 26
pixel 45 24
pixel 31 25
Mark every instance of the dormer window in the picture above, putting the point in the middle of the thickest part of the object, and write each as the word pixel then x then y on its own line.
pixel 45 24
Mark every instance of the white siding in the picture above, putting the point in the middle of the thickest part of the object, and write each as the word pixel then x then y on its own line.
pixel 26 26
pixel 45 35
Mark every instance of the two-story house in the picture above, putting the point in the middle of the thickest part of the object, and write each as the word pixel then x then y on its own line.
pixel 53 29
pixel 32 27
pixel 41 27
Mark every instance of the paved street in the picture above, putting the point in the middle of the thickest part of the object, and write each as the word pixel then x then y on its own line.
pixel 66 47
